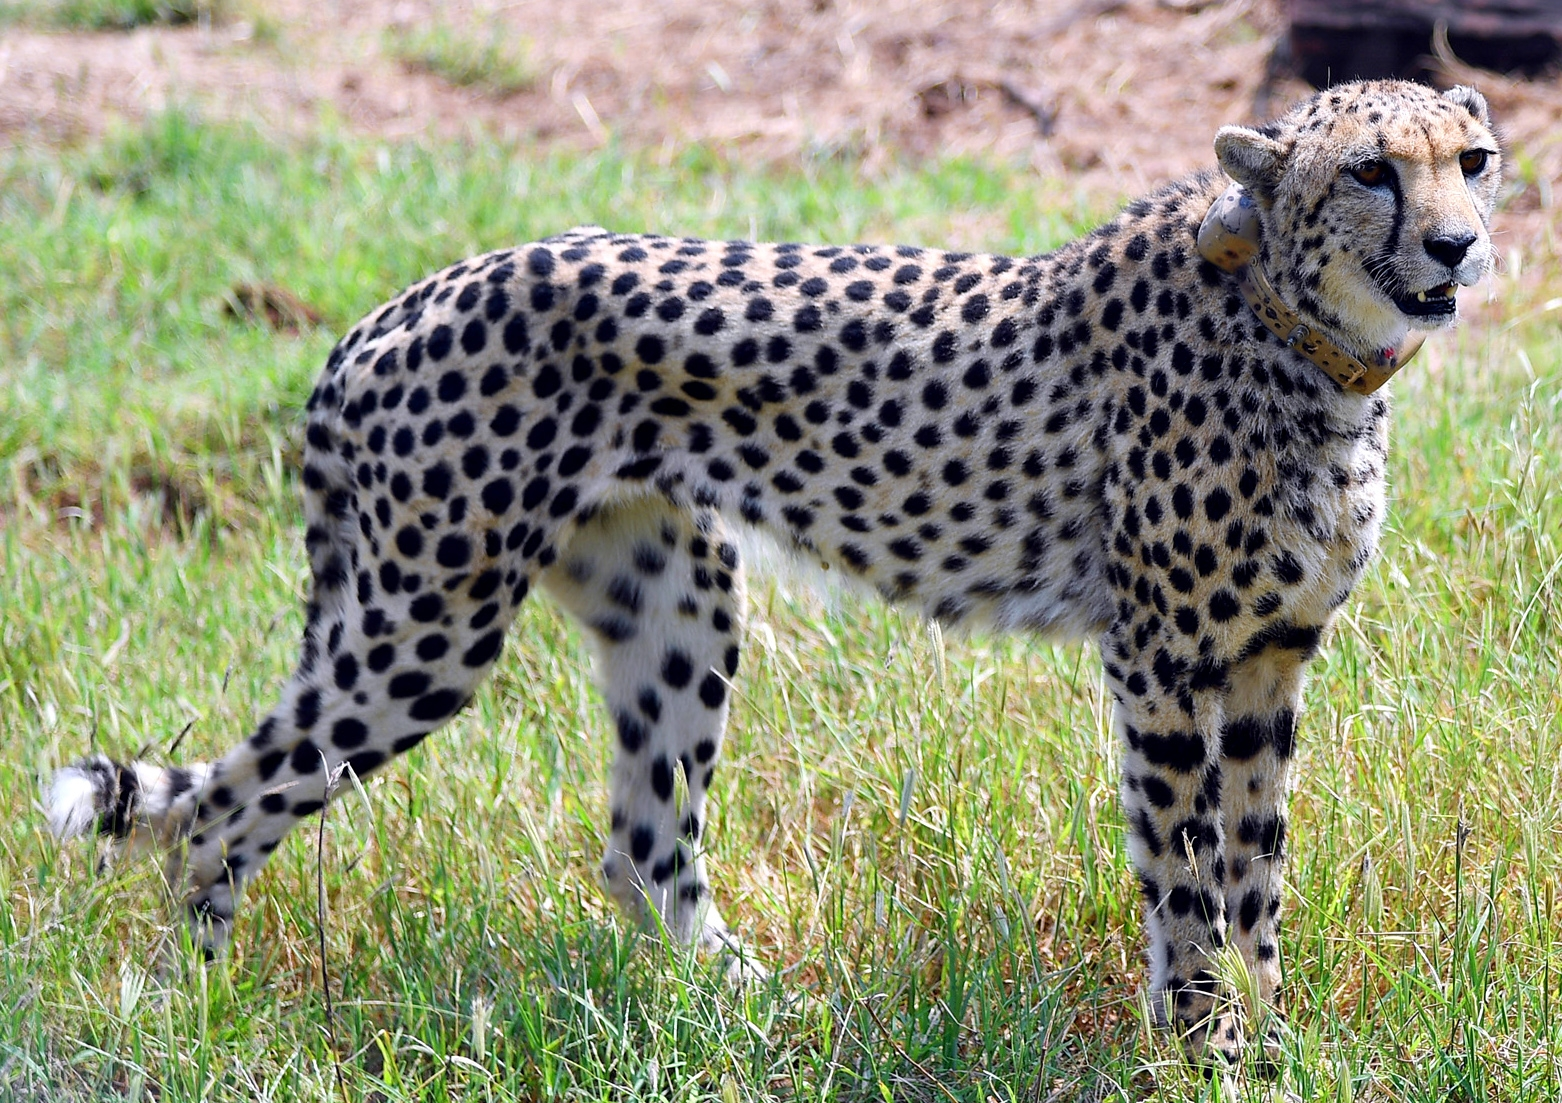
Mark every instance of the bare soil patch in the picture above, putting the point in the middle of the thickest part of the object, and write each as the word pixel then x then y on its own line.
pixel 1116 94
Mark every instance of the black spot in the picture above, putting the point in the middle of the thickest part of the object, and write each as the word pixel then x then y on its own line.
pixel 484 651
pixel 540 262
pixel 563 502
pixel 547 381
pixel 662 778
pixel 435 706
pixel 1144 827
pixel 516 340
pixel 307 710
pixel 1267 833
pixel 439 342
pixel 365 762
pixel 1247 914
pixel 587 420
pixel 1158 792
pixel 677 669
pixel 454 551
pixel 1180 751
pixel 305 758
pixel 412 683
pixel 713 691
pixel 641 840
pixel 437 481
pixel 498 496
pixel 407 742
pixel 632 733
pixel 1223 605
pixel 347 733
pixel 432 647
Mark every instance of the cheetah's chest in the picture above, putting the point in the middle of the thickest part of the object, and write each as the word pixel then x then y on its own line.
pixel 1329 502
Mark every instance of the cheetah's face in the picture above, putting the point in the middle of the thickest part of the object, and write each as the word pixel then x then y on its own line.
pixel 1376 200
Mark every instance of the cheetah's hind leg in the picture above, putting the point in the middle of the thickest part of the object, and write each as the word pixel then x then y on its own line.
pixel 661 589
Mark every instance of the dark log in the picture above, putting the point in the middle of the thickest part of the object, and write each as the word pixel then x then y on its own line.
pixel 1337 40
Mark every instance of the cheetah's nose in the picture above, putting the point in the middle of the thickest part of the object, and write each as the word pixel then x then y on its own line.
pixel 1449 249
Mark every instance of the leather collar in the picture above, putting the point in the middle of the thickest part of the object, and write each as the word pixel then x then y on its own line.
pixel 1228 239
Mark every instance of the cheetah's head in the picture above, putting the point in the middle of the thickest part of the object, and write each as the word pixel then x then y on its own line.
pixel 1375 200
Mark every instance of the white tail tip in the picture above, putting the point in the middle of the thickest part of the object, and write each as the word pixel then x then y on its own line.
pixel 70 803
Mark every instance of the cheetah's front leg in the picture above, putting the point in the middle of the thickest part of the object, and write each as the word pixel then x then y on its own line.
pixel 1256 748
pixel 1168 719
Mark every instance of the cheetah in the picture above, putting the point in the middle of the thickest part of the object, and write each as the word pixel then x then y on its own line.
pixel 1168 437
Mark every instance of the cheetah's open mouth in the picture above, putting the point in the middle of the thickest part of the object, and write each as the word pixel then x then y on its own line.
pixel 1433 302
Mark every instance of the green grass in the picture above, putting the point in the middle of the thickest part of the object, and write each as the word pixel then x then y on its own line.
pixel 923 835
pixel 498 62
pixel 115 15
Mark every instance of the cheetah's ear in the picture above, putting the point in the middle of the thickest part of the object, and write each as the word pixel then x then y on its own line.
pixel 1251 158
pixel 1472 101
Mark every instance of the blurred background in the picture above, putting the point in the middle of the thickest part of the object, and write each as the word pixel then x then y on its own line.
pixel 1129 89
pixel 1117 94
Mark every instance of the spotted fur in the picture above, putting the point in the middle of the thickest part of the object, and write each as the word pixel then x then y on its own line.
pixel 1101 442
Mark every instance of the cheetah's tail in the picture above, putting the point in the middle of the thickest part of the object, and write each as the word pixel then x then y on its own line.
pixel 117 799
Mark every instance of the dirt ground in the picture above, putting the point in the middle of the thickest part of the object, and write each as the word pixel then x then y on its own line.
pixel 1119 94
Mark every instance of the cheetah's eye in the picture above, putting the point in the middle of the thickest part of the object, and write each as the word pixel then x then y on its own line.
pixel 1473 161
pixel 1374 174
